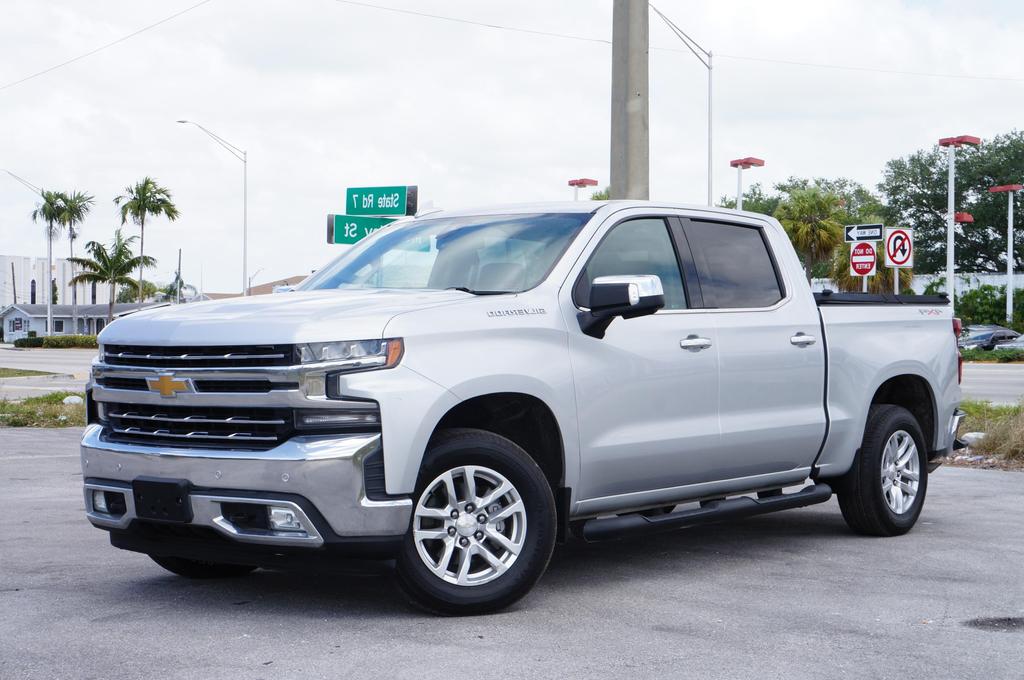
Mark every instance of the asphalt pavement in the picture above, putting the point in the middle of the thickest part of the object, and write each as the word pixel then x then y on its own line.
pixel 790 595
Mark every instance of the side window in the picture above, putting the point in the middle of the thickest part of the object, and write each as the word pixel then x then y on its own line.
pixel 734 265
pixel 636 247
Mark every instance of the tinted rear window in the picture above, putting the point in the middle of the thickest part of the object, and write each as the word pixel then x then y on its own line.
pixel 734 265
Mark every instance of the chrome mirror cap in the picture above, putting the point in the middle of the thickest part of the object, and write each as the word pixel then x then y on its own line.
pixel 640 286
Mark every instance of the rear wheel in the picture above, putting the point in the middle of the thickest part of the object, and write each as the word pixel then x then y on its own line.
pixel 483 527
pixel 200 570
pixel 883 493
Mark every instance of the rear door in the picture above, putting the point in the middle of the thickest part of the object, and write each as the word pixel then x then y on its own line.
pixel 770 353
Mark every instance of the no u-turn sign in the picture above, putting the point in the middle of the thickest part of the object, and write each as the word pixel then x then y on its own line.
pixel 899 247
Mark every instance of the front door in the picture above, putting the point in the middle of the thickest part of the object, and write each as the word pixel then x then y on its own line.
pixel 646 393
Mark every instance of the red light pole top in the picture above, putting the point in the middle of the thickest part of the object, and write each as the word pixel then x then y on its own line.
pixel 1005 187
pixel 960 141
pixel 583 182
pixel 963 218
pixel 746 163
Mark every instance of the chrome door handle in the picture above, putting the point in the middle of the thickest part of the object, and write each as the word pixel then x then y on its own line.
pixel 695 342
pixel 802 340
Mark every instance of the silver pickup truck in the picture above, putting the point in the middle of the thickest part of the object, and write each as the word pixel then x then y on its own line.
pixel 462 390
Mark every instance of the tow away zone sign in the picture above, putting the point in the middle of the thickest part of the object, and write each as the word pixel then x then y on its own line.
pixel 862 259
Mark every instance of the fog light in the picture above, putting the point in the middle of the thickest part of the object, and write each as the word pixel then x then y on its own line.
pixel 99 501
pixel 283 519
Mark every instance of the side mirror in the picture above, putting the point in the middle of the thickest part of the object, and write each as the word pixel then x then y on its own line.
pixel 625 296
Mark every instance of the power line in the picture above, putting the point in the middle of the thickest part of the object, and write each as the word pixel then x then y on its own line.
pixel 103 47
pixel 565 36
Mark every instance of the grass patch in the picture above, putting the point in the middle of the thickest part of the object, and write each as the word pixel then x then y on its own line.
pixel 995 356
pixel 20 373
pixel 43 411
pixel 1003 426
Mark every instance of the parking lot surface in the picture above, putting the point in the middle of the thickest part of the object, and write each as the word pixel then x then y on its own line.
pixel 791 595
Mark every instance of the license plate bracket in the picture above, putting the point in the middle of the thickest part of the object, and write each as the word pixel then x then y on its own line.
pixel 162 500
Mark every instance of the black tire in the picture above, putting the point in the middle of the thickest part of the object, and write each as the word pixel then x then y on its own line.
pixel 861 497
pixel 201 570
pixel 449 450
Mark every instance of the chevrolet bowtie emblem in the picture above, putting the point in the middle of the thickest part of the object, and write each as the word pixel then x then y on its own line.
pixel 169 386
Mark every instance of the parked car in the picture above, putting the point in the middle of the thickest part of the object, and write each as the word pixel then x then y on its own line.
pixel 459 391
pixel 985 336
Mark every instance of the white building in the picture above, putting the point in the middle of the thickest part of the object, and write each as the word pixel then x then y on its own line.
pixel 25 278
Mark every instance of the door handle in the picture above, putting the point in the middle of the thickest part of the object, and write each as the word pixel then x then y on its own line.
pixel 802 340
pixel 695 342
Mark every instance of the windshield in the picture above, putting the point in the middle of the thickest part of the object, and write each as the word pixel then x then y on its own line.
pixel 487 254
pixel 977 336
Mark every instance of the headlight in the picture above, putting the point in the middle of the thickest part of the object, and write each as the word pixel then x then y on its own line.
pixel 354 355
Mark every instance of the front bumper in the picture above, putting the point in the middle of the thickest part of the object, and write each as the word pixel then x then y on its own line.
pixel 319 478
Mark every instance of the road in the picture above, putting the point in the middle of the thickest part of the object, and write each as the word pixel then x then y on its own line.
pixel 999 383
pixel 791 595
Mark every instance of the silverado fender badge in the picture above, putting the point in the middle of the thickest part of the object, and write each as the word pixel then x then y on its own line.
pixel 169 386
pixel 929 312
pixel 520 311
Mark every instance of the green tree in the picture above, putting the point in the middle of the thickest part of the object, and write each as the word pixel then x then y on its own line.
pixel 812 219
pixel 48 211
pixel 142 200
pixel 74 207
pixel 130 292
pixel 602 195
pixel 755 199
pixel 915 186
pixel 881 282
pixel 111 265
pixel 859 205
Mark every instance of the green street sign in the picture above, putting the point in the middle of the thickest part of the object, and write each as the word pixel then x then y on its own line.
pixel 381 200
pixel 351 229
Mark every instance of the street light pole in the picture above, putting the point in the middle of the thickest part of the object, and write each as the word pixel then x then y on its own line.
pixel 951 144
pixel 242 155
pixel 704 57
pixel 742 164
pixel 1008 189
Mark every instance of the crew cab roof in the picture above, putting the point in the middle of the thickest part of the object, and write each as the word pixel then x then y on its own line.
pixel 574 207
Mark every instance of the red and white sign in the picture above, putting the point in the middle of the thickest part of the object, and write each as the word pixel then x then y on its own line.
pixel 899 247
pixel 862 259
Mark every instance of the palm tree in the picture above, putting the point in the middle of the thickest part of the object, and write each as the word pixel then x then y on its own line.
pixel 113 266
pixel 49 212
pixel 812 219
pixel 140 201
pixel 75 206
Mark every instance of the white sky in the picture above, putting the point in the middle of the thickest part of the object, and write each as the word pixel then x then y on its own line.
pixel 326 95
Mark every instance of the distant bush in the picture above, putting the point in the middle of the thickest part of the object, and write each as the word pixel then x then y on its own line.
pixel 32 334
pixel 1002 356
pixel 66 341
pixel 30 341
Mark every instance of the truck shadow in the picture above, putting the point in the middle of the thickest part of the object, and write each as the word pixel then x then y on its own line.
pixel 367 590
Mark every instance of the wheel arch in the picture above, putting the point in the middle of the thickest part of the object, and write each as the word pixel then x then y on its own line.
pixel 914 393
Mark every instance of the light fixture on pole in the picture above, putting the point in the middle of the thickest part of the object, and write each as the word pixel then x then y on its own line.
pixel 704 57
pixel 742 164
pixel 254 275
pixel 1008 189
pixel 243 156
pixel 951 144
pixel 581 182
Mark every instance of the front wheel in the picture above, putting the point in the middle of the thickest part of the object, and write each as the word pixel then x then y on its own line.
pixel 883 493
pixel 483 527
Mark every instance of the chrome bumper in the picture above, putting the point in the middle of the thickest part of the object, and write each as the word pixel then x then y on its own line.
pixel 326 471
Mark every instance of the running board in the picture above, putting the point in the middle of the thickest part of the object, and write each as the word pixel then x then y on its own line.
pixel 601 529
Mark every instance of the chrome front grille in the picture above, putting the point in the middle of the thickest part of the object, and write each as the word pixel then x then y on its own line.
pixel 197 426
pixel 202 385
pixel 212 356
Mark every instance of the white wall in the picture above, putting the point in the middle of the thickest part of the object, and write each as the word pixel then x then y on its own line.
pixel 28 268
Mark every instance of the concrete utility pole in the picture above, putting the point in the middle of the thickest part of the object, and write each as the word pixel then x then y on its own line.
pixel 630 145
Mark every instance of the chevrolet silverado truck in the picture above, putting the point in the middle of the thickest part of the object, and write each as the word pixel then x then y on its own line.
pixel 461 390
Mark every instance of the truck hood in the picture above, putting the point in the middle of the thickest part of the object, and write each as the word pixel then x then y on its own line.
pixel 306 316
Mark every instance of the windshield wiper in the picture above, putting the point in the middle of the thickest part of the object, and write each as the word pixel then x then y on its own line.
pixel 464 289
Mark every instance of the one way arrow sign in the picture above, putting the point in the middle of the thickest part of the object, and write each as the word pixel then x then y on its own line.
pixel 863 232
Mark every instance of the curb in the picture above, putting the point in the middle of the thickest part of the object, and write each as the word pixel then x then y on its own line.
pixel 52 376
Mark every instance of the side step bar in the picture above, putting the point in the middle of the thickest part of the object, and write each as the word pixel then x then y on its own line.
pixel 601 529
